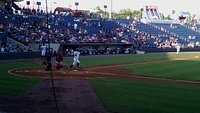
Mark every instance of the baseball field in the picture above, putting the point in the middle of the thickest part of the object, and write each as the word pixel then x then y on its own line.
pixel 146 83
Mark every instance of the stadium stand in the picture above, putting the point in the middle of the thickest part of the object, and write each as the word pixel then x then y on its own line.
pixel 71 28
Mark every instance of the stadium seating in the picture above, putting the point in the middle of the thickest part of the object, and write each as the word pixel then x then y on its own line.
pixel 180 30
pixel 149 29
pixel 66 28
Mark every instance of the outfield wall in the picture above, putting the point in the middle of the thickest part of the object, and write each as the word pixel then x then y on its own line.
pixel 152 50
pixel 19 55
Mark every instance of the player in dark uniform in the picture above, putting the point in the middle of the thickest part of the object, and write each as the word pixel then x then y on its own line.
pixel 47 61
pixel 59 59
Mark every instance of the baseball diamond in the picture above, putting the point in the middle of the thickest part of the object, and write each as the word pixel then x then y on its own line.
pixel 85 84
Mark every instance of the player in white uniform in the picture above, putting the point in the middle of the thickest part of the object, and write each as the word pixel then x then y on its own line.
pixel 178 48
pixel 76 59
pixel 43 51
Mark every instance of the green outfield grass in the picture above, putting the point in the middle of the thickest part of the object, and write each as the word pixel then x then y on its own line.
pixel 187 69
pixel 102 60
pixel 134 96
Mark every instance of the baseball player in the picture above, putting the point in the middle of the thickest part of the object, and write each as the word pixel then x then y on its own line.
pixel 47 62
pixel 76 61
pixel 59 59
pixel 178 48
pixel 43 51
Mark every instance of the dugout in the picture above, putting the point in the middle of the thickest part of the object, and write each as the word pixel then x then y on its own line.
pixel 100 48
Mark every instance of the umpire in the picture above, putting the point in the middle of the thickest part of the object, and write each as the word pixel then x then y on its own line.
pixel 48 61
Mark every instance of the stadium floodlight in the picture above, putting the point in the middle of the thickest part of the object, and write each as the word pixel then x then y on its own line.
pixel 105 6
pixel 38 3
pixel 28 3
pixel 76 4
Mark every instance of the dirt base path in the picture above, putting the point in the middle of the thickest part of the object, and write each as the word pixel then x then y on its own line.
pixel 73 96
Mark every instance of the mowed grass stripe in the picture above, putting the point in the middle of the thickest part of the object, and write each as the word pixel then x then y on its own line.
pixel 187 69
pixel 131 96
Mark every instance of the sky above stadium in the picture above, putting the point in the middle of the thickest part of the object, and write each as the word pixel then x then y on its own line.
pixel 164 6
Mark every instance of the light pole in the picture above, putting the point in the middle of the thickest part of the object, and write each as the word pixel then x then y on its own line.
pixel 76 3
pixel 111 5
pixel 105 6
pixel 38 4
pixel 49 57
